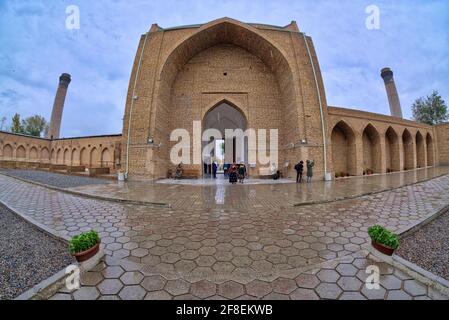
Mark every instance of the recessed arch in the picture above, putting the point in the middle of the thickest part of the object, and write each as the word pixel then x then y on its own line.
pixel 84 157
pixel 53 156
pixel 67 157
pixel 59 156
pixel 430 150
pixel 45 154
pixel 407 150
pixel 33 153
pixel 217 33
pixel 20 152
pixel 392 150
pixel 94 158
pixel 371 149
pixel 75 157
pixel 226 115
pixel 106 158
pixel 7 151
pixel 420 150
pixel 343 149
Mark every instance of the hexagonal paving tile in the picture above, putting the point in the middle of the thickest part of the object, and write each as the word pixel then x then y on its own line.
pixel 185 266
pixel 203 289
pixel 110 286
pixel 374 294
pixel 189 254
pixel 153 283
pixel 91 278
pixel 223 267
pixel 284 286
pixel 170 257
pixel 132 293
pixel 328 290
pixel 139 252
pixel 258 288
pixel 177 287
pixel 308 281
pixel 398 295
pixel 131 278
pixel 390 282
pixel 86 293
pixel 230 289
pixel 113 272
pixel 328 275
pixel 414 288
pixel 304 294
pixel 350 283
pixel 346 269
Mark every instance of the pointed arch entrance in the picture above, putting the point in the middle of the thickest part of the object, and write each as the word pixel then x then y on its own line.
pixel 407 149
pixel 224 115
pixel 392 150
pixel 420 151
pixel 343 149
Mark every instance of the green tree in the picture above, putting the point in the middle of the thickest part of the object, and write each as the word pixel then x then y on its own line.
pixel 34 126
pixel 16 126
pixel 431 109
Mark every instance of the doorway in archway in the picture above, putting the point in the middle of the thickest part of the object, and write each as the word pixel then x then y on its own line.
pixel 223 151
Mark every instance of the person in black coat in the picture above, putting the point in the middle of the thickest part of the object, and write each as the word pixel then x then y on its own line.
pixel 299 170
pixel 214 169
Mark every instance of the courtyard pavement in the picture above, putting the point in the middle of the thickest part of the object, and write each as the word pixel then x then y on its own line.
pixel 194 194
pixel 263 250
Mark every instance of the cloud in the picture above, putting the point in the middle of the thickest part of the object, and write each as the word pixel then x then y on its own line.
pixel 413 41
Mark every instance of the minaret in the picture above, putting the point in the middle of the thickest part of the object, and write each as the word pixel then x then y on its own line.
pixel 58 106
pixel 392 93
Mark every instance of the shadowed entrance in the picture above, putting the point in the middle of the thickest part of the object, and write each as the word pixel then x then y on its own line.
pixel 221 117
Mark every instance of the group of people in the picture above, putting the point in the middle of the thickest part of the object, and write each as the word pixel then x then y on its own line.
pixel 236 173
pixel 299 167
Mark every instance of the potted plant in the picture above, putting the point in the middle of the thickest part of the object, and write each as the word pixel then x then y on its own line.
pixel 383 240
pixel 85 245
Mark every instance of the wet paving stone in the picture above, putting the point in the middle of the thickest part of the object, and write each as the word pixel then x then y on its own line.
pixel 264 252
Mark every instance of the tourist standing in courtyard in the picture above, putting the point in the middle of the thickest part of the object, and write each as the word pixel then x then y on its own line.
pixel 233 174
pixel 299 170
pixel 310 164
pixel 242 173
pixel 214 169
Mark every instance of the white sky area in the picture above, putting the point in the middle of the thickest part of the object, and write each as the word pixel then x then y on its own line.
pixel 36 48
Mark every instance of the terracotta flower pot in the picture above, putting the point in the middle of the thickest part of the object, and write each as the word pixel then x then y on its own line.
pixel 383 248
pixel 89 253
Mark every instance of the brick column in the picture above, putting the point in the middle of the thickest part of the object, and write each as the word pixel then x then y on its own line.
pixel 383 153
pixel 58 106
pixel 358 154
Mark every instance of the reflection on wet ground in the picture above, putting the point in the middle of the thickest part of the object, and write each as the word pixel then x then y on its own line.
pixel 245 196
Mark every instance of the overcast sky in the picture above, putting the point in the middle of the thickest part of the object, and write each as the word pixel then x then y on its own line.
pixel 36 47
